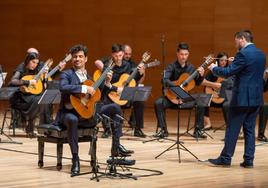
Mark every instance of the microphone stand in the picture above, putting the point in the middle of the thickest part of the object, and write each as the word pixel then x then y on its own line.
pixel 163 53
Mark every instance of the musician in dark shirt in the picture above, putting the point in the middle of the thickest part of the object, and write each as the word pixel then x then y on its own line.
pixel 172 73
pixel 22 100
pixel 211 81
pixel 122 66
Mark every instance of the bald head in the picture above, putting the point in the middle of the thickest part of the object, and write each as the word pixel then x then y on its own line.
pixel 32 50
pixel 127 52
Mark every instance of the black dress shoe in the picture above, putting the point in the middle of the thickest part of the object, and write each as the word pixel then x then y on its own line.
pixel 75 167
pixel 219 162
pixel 198 134
pixel 139 133
pixel 246 164
pixel 161 134
pixel 122 148
pixel 262 138
pixel 106 133
pixel 124 161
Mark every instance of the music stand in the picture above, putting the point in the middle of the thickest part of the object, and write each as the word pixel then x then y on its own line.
pixel 136 93
pixel 184 96
pixel 50 96
pixel 201 100
pixel 5 94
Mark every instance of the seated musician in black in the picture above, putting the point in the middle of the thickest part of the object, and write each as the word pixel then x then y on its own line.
pixel 263 113
pixel 125 66
pixel 23 101
pixel 71 83
pixel 172 73
pixel 211 81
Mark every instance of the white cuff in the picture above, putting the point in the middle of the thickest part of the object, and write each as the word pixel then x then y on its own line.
pixel 84 89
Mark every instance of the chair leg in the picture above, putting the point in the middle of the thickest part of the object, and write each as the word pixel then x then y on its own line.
pixel 59 156
pixel 41 147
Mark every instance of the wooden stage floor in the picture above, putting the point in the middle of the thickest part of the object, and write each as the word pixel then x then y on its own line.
pixel 18 163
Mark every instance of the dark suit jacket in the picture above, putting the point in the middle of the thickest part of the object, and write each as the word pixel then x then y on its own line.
pixel 248 67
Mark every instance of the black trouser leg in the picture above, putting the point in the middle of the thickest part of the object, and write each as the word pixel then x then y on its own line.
pixel 263 115
pixel 138 110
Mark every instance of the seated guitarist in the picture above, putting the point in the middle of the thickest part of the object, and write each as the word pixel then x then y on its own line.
pixel 172 73
pixel 24 101
pixel 122 66
pixel 211 81
pixel 70 83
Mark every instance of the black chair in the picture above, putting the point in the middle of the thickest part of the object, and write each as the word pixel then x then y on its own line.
pixel 49 133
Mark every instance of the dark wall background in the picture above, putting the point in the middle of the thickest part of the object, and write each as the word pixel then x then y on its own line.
pixel 53 26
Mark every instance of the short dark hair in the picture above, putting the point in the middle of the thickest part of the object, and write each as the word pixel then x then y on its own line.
pixel 182 46
pixel 31 56
pixel 247 34
pixel 117 48
pixel 77 48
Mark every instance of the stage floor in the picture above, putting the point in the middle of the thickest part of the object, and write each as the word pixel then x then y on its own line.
pixel 18 163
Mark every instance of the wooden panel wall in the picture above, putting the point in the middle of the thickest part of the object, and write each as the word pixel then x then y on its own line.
pixel 53 26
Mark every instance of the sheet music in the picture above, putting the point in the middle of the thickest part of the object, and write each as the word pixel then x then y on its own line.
pixel 3 76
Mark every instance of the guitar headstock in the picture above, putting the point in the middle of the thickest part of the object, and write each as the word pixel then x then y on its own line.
pixel 146 56
pixel 153 63
pixel 67 58
pixel 49 62
pixel 111 62
pixel 208 60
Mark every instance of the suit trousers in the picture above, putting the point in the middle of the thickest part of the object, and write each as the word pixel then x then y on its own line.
pixel 238 117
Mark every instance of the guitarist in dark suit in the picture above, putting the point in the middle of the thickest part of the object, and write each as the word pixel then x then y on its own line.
pixel 122 66
pixel 70 84
pixel 247 97
pixel 172 73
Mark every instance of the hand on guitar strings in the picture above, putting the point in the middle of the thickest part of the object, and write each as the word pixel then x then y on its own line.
pixel 119 90
pixel 32 82
pixel 90 90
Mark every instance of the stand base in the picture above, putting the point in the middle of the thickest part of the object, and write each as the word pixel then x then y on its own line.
pixel 178 144
pixel 9 141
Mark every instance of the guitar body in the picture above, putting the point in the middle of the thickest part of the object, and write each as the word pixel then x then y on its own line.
pixel 96 75
pixel 215 93
pixel 85 104
pixel 114 96
pixel 37 89
pixel 171 96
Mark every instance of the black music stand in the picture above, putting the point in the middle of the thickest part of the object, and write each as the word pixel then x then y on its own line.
pixel 50 96
pixel 136 93
pixel 185 97
pixel 5 94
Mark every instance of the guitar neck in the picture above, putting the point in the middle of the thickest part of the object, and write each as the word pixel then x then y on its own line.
pixel 52 72
pixel 102 77
pixel 193 75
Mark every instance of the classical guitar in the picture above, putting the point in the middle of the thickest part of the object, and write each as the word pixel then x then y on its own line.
pixel 186 81
pixel 55 69
pixel 127 80
pixel 38 88
pixel 84 104
pixel 96 75
pixel 215 92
